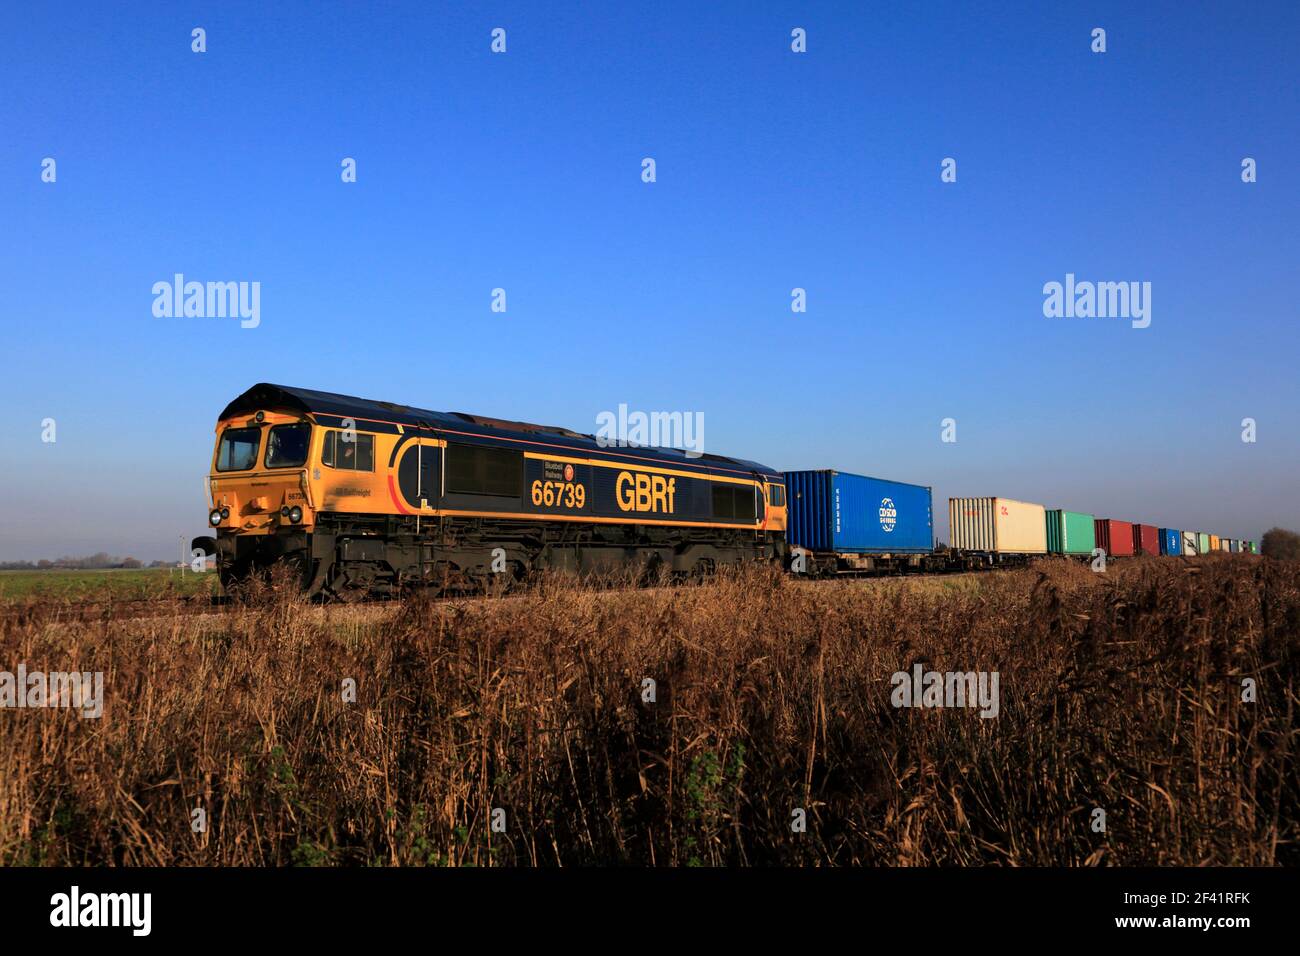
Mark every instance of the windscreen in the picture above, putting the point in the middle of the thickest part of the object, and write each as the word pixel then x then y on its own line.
pixel 238 451
pixel 286 446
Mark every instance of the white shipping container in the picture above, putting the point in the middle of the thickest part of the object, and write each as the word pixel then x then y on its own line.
pixel 997 525
pixel 1189 542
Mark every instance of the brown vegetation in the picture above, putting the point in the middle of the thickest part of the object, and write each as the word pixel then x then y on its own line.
pixel 1120 691
pixel 1281 544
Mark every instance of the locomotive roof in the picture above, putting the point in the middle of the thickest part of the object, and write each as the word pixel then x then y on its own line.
pixel 310 402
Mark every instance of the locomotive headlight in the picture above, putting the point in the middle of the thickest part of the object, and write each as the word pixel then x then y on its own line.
pixel 295 514
pixel 225 513
pixel 214 518
pixel 284 512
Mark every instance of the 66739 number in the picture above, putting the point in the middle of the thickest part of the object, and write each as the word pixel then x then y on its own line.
pixel 562 494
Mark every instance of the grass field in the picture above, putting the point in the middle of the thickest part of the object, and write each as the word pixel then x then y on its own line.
pixel 120 583
pixel 522 730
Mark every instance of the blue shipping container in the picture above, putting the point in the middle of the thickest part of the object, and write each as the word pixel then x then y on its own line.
pixel 1171 541
pixel 830 511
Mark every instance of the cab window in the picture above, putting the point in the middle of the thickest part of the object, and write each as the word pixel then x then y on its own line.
pixel 355 455
pixel 286 445
pixel 238 451
pixel 776 494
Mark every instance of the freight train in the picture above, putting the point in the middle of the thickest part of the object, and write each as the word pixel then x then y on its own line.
pixel 359 497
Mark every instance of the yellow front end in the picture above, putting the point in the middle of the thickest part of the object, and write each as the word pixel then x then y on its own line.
pixel 260 480
pixel 260 493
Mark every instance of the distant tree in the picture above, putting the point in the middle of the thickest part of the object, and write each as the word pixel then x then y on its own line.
pixel 44 564
pixel 131 563
pixel 1280 543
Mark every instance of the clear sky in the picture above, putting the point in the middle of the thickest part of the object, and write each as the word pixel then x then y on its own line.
pixel 775 170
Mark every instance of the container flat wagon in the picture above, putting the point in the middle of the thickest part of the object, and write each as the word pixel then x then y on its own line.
pixel 846 523
pixel 997 530
pixel 1070 532
pixel 1115 537
pixel 1146 539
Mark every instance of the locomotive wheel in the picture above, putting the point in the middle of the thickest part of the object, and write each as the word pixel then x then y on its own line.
pixel 348 585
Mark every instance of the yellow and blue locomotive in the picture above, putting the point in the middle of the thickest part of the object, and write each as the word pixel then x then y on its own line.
pixel 366 496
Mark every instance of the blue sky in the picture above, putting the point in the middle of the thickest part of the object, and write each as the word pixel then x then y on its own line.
pixel 775 170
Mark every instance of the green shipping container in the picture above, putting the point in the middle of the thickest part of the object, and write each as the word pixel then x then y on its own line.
pixel 1069 532
pixel 1202 543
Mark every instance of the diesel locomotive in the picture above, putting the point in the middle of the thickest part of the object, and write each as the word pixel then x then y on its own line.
pixel 361 496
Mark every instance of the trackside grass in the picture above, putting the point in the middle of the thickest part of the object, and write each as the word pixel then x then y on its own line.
pixel 115 582
pixel 770 703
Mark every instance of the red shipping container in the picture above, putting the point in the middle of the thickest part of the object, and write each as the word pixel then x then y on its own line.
pixel 1114 537
pixel 1146 539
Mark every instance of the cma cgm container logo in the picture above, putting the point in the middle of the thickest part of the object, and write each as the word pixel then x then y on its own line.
pixel 888 514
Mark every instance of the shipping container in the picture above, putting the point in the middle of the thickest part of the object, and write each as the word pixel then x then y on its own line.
pixel 997 525
pixel 1191 545
pixel 1214 543
pixel 1114 537
pixel 1070 532
pixel 836 512
pixel 1171 541
pixel 1146 539
pixel 1234 545
pixel 1202 543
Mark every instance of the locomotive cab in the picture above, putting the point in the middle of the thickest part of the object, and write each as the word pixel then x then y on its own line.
pixel 260 492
